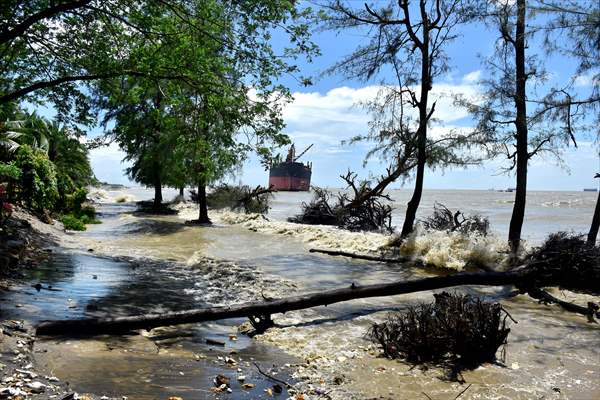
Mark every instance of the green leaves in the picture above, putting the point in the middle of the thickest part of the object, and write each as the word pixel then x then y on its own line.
pixel 228 102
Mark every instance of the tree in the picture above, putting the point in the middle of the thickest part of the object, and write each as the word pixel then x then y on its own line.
pixel 55 50
pixel 49 47
pixel 413 47
pixel 518 124
pixel 138 109
pixel 593 233
pixel 194 131
pixel 46 142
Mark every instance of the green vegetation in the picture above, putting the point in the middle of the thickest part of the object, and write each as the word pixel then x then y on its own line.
pixel 241 197
pixel 44 167
pixel 194 131
pixel 189 88
pixel 72 223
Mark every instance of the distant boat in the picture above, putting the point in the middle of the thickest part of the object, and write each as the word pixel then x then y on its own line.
pixel 508 190
pixel 590 189
pixel 291 175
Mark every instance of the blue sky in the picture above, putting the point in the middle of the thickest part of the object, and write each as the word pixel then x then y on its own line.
pixel 326 113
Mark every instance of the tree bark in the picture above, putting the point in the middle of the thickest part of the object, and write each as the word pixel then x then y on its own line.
pixel 202 205
pixel 593 234
pixel 413 204
pixel 97 326
pixel 157 192
pixel 336 253
pixel 518 214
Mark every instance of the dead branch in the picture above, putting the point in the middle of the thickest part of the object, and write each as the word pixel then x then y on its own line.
pixel 352 211
pixel 119 325
pixel 443 219
pixel 456 331
pixel 336 253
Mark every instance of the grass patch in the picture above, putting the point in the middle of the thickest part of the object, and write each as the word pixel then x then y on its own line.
pixel 76 221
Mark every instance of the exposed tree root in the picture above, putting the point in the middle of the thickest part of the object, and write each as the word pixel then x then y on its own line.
pixel 356 211
pixel 456 332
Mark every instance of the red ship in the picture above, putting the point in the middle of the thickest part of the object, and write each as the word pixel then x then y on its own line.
pixel 291 175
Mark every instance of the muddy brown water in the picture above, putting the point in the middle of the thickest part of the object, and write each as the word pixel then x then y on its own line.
pixel 174 361
pixel 551 354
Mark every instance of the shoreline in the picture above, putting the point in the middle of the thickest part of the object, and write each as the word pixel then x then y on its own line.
pixel 341 364
pixel 20 373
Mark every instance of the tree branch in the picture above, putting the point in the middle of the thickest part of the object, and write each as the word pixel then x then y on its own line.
pixel 11 34
pixel 5 98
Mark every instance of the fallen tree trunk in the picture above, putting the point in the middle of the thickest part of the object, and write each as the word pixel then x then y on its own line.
pixel 338 253
pixel 590 311
pixel 95 326
pixel 390 260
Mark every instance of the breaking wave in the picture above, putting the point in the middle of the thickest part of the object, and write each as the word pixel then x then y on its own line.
pixel 439 249
pixel 454 250
pixel 102 196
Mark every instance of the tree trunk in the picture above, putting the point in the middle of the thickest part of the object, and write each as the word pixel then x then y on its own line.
pixel 518 214
pixel 593 234
pixel 181 192
pixel 96 326
pixel 202 206
pixel 413 204
pixel 157 192
pixel 337 253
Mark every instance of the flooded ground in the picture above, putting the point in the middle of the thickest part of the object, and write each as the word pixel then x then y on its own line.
pixel 165 362
pixel 158 264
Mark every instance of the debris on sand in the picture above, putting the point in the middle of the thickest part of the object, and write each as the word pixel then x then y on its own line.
pixel 456 331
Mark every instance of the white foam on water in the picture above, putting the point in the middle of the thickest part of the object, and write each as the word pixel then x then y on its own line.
pixel 454 250
pixel 439 249
pixel 320 236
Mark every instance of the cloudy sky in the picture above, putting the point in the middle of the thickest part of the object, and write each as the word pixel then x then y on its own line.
pixel 327 113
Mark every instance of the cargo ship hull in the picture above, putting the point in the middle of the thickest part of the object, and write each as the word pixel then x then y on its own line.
pixel 290 176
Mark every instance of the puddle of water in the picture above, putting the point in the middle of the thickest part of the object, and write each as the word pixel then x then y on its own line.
pixel 138 368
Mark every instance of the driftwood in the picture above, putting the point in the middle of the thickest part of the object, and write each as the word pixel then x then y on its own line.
pixel 523 277
pixel 94 326
pixel 338 253
pixel 590 311
pixel 391 260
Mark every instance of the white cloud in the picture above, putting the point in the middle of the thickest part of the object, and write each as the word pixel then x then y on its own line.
pixel 472 77
pixel 585 80
pixel 327 119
